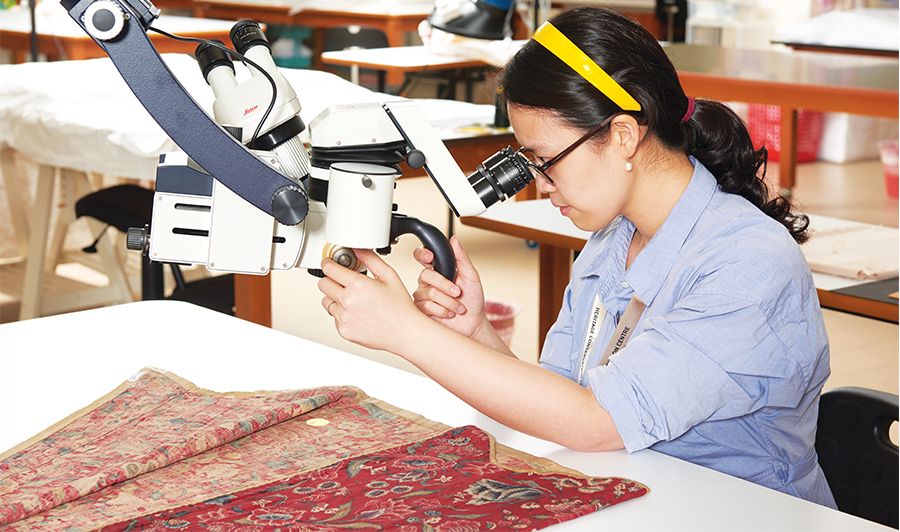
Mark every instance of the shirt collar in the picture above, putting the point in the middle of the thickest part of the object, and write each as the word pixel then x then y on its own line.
pixel 652 265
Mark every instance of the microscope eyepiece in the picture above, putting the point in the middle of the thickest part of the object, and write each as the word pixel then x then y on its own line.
pixel 210 57
pixel 247 33
pixel 500 176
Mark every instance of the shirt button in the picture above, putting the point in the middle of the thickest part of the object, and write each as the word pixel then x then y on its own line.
pixel 625 284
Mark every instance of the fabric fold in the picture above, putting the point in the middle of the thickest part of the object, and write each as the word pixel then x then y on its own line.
pixel 141 426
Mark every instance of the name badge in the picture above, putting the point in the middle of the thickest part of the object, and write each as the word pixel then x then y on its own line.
pixel 598 314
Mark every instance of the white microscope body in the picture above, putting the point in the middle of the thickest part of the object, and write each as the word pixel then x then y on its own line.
pixel 349 181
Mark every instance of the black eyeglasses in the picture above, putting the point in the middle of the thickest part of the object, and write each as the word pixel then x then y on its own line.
pixel 531 160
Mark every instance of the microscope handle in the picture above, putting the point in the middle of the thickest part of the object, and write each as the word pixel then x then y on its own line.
pixel 432 238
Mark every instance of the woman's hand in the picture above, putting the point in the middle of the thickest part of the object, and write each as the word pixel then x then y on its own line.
pixel 371 311
pixel 458 306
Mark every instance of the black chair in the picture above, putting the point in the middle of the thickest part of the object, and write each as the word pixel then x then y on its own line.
pixel 124 206
pixel 856 454
pixel 355 37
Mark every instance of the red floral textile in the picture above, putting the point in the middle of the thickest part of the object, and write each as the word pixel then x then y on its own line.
pixel 291 447
pixel 448 482
pixel 157 443
pixel 142 426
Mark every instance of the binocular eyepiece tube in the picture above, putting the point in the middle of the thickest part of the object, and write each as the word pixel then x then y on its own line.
pixel 500 176
pixel 245 34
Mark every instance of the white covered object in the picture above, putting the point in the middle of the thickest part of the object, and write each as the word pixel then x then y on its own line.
pixel 493 52
pixel 394 7
pixel 847 137
pixel 82 115
pixel 877 29
pixel 52 19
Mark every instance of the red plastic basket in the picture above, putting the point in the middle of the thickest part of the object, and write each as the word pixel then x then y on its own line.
pixel 503 318
pixel 764 124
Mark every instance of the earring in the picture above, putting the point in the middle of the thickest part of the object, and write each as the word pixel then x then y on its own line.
pixel 628 166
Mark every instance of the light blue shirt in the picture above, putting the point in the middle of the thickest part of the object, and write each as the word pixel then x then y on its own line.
pixel 726 365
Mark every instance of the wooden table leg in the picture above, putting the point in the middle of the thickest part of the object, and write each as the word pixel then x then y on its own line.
pixel 787 170
pixel 318 37
pixel 555 269
pixel 395 37
pixel 37 244
pixel 253 298
pixel 18 199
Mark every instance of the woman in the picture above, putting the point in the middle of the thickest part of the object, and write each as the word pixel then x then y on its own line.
pixel 690 325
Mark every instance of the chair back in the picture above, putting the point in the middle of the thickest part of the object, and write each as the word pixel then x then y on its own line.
pixel 856 453
pixel 346 37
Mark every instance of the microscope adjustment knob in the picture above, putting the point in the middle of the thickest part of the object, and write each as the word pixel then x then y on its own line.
pixel 415 159
pixel 104 20
pixel 290 205
pixel 137 239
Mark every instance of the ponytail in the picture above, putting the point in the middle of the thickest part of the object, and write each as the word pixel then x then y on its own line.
pixel 718 138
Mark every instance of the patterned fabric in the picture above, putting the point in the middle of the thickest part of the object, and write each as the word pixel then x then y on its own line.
pixel 159 443
pixel 149 424
pixel 443 483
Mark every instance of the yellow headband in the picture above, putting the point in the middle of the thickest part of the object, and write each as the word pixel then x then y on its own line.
pixel 559 45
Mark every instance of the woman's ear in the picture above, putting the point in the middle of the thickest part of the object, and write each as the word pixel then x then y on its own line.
pixel 626 135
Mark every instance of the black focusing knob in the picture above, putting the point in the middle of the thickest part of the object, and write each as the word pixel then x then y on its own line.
pixel 247 33
pixel 210 57
pixel 290 205
pixel 415 159
pixel 137 239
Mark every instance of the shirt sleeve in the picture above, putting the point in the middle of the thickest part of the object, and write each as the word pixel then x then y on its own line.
pixel 710 357
pixel 557 351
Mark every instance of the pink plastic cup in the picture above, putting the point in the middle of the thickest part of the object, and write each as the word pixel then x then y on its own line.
pixel 889 157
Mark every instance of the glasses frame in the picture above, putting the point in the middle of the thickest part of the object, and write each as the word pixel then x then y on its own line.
pixel 542 168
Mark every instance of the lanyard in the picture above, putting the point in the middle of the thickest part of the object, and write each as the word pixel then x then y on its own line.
pixel 620 336
pixel 623 331
pixel 598 314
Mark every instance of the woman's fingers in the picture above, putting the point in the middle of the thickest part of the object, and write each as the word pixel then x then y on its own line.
pixel 330 288
pixel 435 279
pixel 439 298
pixel 464 265
pixel 424 257
pixel 433 310
pixel 330 306
pixel 376 265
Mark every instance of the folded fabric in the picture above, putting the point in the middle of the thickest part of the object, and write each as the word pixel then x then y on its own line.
pixel 160 453
pixel 862 252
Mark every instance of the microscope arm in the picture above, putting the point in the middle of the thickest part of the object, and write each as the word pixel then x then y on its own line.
pixel 119 27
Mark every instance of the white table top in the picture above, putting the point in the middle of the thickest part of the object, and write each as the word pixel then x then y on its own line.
pixel 58 23
pixel 875 29
pixel 541 215
pixel 421 8
pixel 641 5
pixel 455 54
pixel 83 355
pixel 398 57
pixel 81 114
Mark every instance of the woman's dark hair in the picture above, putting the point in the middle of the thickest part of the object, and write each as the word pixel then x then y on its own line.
pixel 714 134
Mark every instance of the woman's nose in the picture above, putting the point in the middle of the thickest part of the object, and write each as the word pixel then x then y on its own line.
pixel 544 186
